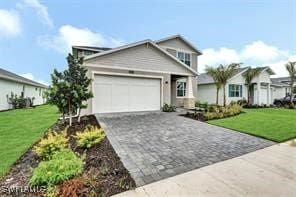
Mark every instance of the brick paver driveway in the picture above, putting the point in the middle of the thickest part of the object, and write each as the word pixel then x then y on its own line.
pixel 154 146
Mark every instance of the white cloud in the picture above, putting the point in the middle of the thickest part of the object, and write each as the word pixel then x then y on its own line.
pixel 40 9
pixel 115 42
pixel 256 53
pixel 9 23
pixel 69 35
pixel 31 77
pixel 28 76
pixel 279 67
pixel 259 51
pixel 212 57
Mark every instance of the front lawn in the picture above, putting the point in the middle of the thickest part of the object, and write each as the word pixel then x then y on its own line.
pixel 19 129
pixel 275 124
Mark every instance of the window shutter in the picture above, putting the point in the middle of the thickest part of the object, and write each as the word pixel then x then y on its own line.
pixel 229 90
pixel 241 91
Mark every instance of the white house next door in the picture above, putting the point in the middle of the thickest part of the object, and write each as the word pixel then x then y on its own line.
pixel 125 94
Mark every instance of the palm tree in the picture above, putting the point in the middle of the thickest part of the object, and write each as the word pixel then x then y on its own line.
pixel 215 74
pixel 226 72
pixel 291 68
pixel 249 75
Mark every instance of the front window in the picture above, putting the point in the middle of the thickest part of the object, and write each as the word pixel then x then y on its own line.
pixel 235 90
pixel 181 89
pixel 184 57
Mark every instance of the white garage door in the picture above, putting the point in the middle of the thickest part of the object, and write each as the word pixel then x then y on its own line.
pixel 125 94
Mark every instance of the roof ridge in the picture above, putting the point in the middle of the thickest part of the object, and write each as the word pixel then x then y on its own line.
pixel 179 36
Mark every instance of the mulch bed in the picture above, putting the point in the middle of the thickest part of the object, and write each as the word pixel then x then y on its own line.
pixel 196 116
pixel 103 175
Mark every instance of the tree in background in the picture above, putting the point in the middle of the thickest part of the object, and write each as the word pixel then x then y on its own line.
pixel 215 74
pixel 249 75
pixel 291 68
pixel 225 73
pixel 69 89
pixel 294 89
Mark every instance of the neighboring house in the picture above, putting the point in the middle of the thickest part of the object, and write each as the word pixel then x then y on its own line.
pixel 141 76
pixel 281 87
pixel 261 92
pixel 13 83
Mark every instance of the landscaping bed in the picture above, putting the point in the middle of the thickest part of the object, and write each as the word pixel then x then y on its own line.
pixel 215 112
pixel 103 173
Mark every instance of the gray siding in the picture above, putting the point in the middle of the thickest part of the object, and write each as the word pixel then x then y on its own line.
pixel 176 44
pixel 194 65
pixel 145 57
pixel 173 52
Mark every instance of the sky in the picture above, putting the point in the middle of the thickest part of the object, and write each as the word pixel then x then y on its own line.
pixel 36 35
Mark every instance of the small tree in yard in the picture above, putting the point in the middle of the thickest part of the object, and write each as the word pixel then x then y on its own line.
pixel 291 68
pixel 70 88
pixel 77 76
pixel 55 93
pixel 249 75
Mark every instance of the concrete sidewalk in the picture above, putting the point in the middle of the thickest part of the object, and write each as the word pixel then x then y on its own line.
pixel 266 172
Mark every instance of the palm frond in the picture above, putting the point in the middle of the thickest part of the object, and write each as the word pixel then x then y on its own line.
pixel 215 74
pixel 250 74
pixel 291 68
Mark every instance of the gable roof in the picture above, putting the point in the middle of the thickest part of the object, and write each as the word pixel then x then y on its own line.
pixel 204 78
pixel 268 69
pixel 283 79
pixel 7 75
pixel 148 41
pixel 277 82
pixel 181 38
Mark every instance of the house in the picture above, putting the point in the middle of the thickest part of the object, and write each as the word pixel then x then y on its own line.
pixel 262 92
pixel 13 83
pixel 141 76
pixel 281 87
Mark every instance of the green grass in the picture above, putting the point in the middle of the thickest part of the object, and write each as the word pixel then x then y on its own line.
pixel 275 124
pixel 19 129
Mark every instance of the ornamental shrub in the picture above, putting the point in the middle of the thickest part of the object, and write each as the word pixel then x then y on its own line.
pixel 223 112
pixel 54 142
pixel 89 137
pixel 62 166
pixel 236 109
pixel 168 108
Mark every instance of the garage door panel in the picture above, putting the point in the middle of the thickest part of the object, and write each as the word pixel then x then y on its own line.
pixel 126 94
pixel 151 99
pixel 119 101
pixel 144 81
pixel 144 103
pixel 120 80
pixel 102 93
